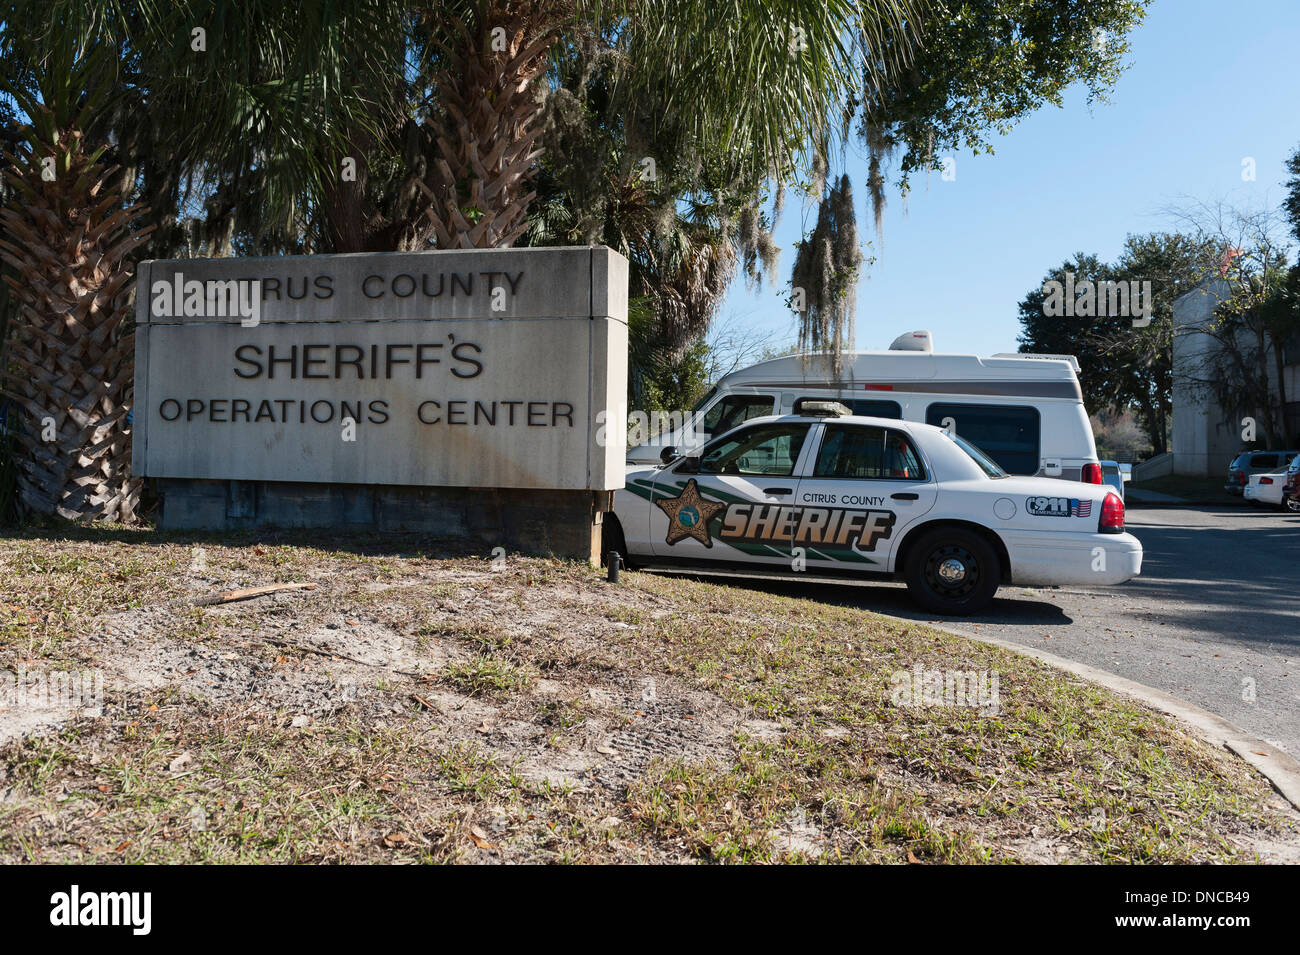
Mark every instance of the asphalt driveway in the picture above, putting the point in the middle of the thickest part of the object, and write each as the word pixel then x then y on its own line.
pixel 1214 619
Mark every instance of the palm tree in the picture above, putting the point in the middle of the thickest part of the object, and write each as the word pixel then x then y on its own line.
pixel 440 106
pixel 69 362
pixel 95 81
pixel 764 81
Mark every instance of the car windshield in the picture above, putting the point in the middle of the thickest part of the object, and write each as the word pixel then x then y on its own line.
pixel 986 464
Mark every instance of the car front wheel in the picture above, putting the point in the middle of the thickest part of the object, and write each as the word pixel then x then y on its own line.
pixel 952 571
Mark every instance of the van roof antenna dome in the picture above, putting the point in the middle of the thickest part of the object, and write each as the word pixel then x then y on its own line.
pixel 913 341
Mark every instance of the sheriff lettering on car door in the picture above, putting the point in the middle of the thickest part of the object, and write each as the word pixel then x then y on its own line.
pixel 689 515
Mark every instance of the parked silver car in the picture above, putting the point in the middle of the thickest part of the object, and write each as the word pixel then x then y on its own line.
pixel 1247 463
pixel 1113 473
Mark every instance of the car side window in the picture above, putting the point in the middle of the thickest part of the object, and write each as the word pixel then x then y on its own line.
pixel 1264 461
pixel 762 451
pixel 731 411
pixel 867 453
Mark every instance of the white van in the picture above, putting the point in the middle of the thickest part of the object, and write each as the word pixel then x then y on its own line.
pixel 1024 411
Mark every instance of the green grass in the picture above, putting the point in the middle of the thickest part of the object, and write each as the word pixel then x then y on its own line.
pixel 1189 487
pixel 485 673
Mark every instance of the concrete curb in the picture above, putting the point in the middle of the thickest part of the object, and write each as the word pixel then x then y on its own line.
pixel 1280 769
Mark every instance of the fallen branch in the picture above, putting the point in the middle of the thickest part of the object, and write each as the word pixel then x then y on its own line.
pixel 247 593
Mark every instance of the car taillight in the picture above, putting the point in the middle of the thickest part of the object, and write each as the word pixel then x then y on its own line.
pixel 1112 515
pixel 1241 477
pixel 1265 480
pixel 1092 474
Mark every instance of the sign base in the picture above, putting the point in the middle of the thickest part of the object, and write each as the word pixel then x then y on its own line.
pixel 552 523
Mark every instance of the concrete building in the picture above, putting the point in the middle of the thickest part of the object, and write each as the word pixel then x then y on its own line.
pixel 1205 436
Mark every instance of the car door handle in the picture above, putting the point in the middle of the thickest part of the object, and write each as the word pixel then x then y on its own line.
pixel 905 496
pixel 778 490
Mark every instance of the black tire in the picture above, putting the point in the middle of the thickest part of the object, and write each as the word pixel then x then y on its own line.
pixel 951 590
pixel 611 538
pixel 1291 504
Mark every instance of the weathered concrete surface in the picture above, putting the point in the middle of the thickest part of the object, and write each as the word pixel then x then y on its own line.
pixel 457 368
pixel 569 282
pixel 559 523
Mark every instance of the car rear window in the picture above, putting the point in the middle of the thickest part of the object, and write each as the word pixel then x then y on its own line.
pixel 1006 433
pixel 1263 461
pixel 863 452
pixel 986 464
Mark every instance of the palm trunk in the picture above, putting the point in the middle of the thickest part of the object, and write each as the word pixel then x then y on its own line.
pixel 479 183
pixel 70 359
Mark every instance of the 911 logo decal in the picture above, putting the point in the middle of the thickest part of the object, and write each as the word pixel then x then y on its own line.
pixel 690 512
pixel 1058 507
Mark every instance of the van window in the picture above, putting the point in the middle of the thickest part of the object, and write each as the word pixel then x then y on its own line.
pixel 1264 461
pixel 867 407
pixel 1006 433
pixel 857 451
pixel 769 451
pixel 985 463
pixel 734 410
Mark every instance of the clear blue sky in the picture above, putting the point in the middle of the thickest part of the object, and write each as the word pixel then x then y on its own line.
pixel 1209 82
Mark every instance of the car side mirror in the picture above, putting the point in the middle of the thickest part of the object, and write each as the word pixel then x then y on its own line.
pixel 668 454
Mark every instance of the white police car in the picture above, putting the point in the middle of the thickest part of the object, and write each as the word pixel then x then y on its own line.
pixel 827 492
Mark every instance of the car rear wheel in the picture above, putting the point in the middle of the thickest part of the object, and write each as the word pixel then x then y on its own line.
pixel 952 571
pixel 1292 504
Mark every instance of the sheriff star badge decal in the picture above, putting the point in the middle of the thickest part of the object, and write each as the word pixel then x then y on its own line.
pixel 689 515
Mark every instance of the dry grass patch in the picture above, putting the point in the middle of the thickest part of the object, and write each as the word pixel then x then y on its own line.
pixel 423 707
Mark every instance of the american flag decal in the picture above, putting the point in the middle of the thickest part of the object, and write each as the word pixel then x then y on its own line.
pixel 1081 508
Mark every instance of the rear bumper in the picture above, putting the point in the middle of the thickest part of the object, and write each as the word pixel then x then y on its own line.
pixel 1080 559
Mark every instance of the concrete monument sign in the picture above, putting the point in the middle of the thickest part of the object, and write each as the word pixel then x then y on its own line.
pixel 279 378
